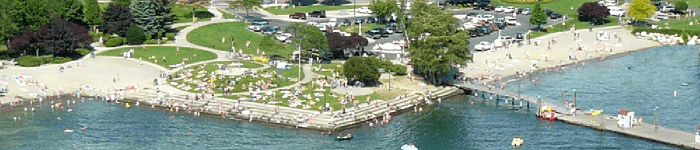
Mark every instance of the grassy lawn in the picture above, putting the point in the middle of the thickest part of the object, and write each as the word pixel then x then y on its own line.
pixel 306 9
pixel 681 23
pixel 184 13
pixel 579 25
pixel 170 53
pixel 353 28
pixel 561 6
pixel 330 69
pixel 227 15
pixel 276 76
pixel 210 36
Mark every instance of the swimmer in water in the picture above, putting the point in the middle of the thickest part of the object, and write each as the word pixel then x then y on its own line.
pixel 189 132
pixel 83 128
pixel 211 134
pixel 58 118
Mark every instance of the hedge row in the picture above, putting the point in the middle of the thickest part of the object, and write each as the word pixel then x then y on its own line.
pixel 32 61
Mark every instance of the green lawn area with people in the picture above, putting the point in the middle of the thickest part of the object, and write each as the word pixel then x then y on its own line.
pixel 328 69
pixel 565 7
pixel 211 36
pixel 613 21
pixel 156 54
pixel 306 9
pixel 238 76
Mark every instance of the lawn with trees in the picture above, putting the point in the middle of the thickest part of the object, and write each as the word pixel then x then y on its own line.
pixel 247 5
pixel 309 37
pixel 211 35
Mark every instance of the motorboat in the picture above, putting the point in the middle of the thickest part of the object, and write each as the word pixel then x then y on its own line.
pixel 517 141
pixel 346 137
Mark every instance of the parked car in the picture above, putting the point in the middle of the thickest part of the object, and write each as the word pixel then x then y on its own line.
pixel 374 34
pixel 270 29
pixel 389 29
pixel 525 11
pixel 395 27
pixel 499 8
pixel 473 32
pixel 555 15
pixel 661 16
pixel 257 26
pixel 609 3
pixel 370 20
pixel 481 17
pixel 358 20
pixel 283 37
pixel 346 22
pixel 640 24
pixel 297 15
pixel 511 20
pixel 318 14
pixel 665 8
pixel 501 25
pixel 469 25
pixel 323 28
pixel 488 7
pixel 364 9
pixel 509 9
pixel 519 36
pixel 383 32
pixel 483 46
pixel 483 30
pixel 493 27
pixel 616 11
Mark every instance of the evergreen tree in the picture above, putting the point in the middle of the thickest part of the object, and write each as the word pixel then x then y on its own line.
pixel 164 14
pixel 122 2
pixel 92 13
pixel 538 17
pixel 116 19
pixel 29 14
pixel 135 35
pixel 144 12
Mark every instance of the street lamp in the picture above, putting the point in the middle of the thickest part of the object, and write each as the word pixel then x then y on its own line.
pixel 656 128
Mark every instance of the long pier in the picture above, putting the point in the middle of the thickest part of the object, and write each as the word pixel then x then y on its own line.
pixel 601 122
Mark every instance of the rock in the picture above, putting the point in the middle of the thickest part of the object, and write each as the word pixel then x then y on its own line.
pixel 680 40
pixel 691 42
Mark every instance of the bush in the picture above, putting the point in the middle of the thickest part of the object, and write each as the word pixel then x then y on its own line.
pixel 135 35
pixel 681 5
pixel 399 69
pixel 362 69
pixel 96 36
pixel 59 60
pixel 83 51
pixel 31 61
pixel 151 41
pixel 170 36
pixel 115 41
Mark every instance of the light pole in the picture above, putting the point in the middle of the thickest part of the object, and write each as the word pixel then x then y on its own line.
pixel 656 128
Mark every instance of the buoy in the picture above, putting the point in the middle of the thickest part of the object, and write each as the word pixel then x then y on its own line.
pixel 675 93
pixel 127 105
pixel 517 141
pixel 70 110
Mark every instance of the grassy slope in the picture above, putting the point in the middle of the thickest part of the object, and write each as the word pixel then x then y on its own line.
pixel 331 66
pixel 210 36
pixel 184 13
pixel 227 15
pixel 353 28
pixel 561 6
pixel 168 52
pixel 243 80
pixel 579 25
pixel 305 9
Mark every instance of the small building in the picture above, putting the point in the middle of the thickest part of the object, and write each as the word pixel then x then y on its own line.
pixel 625 118
pixel 697 134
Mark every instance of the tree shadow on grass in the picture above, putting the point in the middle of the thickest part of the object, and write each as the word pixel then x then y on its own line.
pixel 335 2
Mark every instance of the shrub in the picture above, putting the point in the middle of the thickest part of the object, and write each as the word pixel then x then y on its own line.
pixel 31 61
pixel 399 69
pixel 170 36
pixel 96 36
pixel 135 35
pixel 59 60
pixel 116 41
pixel 151 41
pixel 83 51
pixel 362 69
pixel 681 5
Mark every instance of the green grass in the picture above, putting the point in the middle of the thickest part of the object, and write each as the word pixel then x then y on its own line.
pixel 280 80
pixel 170 54
pixel 306 9
pixel 227 15
pixel 210 36
pixel 353 28
pixel 561 6
pixel 184 13
pixel 332 66
pixel 681 23
pixel 579 25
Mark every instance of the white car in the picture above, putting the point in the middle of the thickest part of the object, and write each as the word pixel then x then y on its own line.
pixel 509 9
pixel 481 17
pixel 610 3
pixel 283 37
pixel 511 20
pixel 483 46
pixel 499 8
pixel 616 11
pixel 469 25
pixel 661 16
pixel 525 11
pixel 333 20
pixel 364 9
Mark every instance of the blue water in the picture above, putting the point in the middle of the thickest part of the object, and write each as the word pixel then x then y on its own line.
pixel 455 124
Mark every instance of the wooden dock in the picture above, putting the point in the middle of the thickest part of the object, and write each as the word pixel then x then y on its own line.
pixel 673 137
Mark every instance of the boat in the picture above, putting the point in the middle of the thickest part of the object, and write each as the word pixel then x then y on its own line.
pixel 346 137
pixel 685 83
pixel 68 131
pixel 517 141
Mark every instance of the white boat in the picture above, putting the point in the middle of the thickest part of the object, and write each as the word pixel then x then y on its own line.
pixel 68 131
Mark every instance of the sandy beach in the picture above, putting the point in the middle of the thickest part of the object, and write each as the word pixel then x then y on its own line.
pixel 554 50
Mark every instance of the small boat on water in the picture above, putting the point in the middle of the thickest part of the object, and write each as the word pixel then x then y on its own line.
pixel 685 83
pixel 68 131
pixel 517 141
pixel 346 137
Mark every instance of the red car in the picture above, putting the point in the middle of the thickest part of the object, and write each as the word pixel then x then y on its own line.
pixel 297 15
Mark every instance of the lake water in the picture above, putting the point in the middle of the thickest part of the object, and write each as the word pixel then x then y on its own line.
pixel 454 124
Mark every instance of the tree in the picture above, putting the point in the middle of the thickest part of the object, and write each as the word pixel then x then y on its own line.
pixel 92 13
pixel 164 14
pixel 538 17
pixel 245 4
pixel 681 5
pixel 338 44
pixel 147 17
pixel 117 19
pixel 309 37
pixel 363 69
pixel 194 4
pixel 70 10
pixel 29 14
pixel 62 38
pixel 434 55
pixel 23 43
pixel 593 12
pixel 269 45
pixel 7 26
pixel 122 2
pixel 640 9
pixel 135 35
pixel 383 8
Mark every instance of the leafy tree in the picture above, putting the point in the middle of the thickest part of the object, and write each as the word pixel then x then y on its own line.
pixel 641 9
pixel 681 5
pixel 433 56
pixel 7 26
pixel 25 13
pixel 117 19
pixel 92 13
pixel 70 10
pixel 337 44
pixel 269 45
pixel 151 16
pixel 24 43
pixel 194 4
pixel 363 69
pixel 593 12
pixel 122 2
pixel 309 37
pixel 62 38
pixel 245 4
pixel 538 17
pixel 135 35
pixel 383 8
